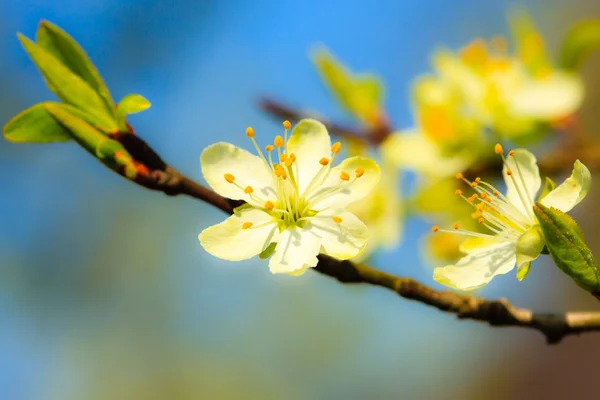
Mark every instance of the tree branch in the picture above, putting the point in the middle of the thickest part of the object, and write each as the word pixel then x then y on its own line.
pixel 554 327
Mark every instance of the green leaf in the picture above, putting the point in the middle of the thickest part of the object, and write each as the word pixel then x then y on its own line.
pixel 131 104
pixel 523 270
pixel 580 42
pixel 36 125
pixel 69 87
pixel 566 244
pixel 268 252
pixel 66 50
pixel 549 186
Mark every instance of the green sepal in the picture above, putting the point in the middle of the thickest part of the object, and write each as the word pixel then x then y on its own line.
pixel 130 104
pixel 529 247
pixel 549 185
pixel 69 87
pixel 66 50
pixel 579 43
pixel 268 252
pixel 566 244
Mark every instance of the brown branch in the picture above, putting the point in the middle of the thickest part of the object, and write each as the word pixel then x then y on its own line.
pixel 554 327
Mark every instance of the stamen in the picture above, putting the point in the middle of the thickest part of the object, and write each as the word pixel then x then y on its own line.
pixel 458 192
pixel 459 175
pixel 496 193
pixel 283 157
pixel 435 228
pixel 247 225
pixel 269 205
pixel 359 172
pixel 287 124
pixel 478 179
pixel 481 220
pixel 250 132
pixel 269 147
pixel 335 149
pixel 344 176
pixel 511 153
pixel 324 161
pixel 498 149
pixel 229 178
pixel 474 184
pixel 248 190
pixel 456 226
pixel 337 220
pixel 508 172
pixel 278 142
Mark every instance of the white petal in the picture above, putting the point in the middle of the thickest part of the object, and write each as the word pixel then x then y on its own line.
pixel 296 248
pixel 249 170
pixel 310 143
pixel 343 240
pixel 527 178
pixel 548 98
pixel 229 241
pixel 477 268
pixel 346 192
pixel 413 150
pixel 569 193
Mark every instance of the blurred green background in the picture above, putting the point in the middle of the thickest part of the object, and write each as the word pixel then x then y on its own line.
pixel 105 292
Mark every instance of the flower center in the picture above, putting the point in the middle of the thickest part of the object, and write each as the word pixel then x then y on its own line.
pixel 493 209
pixel 293 207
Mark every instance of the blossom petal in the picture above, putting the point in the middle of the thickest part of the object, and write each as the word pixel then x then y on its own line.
pixel 310 143
pixel 527 178
pixel 478 268
pixel 345 239
pixel 413 150
pixel 297 249
pixel 548 98
pixel 248 170
pixel 569 193
pixel 337 193
pixel 229 241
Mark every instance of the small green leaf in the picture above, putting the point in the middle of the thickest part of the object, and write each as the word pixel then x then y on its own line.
pixel 549 186
pixel 66 50
pixel 35 125
pixel 580 42
pixel 131 104
pixel 268 252
pixel 69 87
pixel 566 244
pixel 523 270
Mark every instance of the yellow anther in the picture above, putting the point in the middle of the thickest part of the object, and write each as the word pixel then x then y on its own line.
pixel 481 220
pixel 511 153
pixel 476 214
pixel 278 142
pixel 479 207
pixel 229 178
pixel 459 175
pixel 289 161
pixel 478 179
pixel 269 147
pixel 488 199
pixel 359 172
pixel 337 220
pixel 287 124
pixel 456 226
pixel 283 157
pixel 248 190
pixel 269 205
pixel 475 196
pixel 335 149
pixel 508 172
pixel 435 228
pixel 498 149
pixel 344 176
pixel 458 192
pixel 324 161
pixel 474 184
pixel 470 199
pixel 247 225
pixel 496 193
pixel 250 132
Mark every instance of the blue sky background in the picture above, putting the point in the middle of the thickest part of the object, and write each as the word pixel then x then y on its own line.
pixel 104 289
